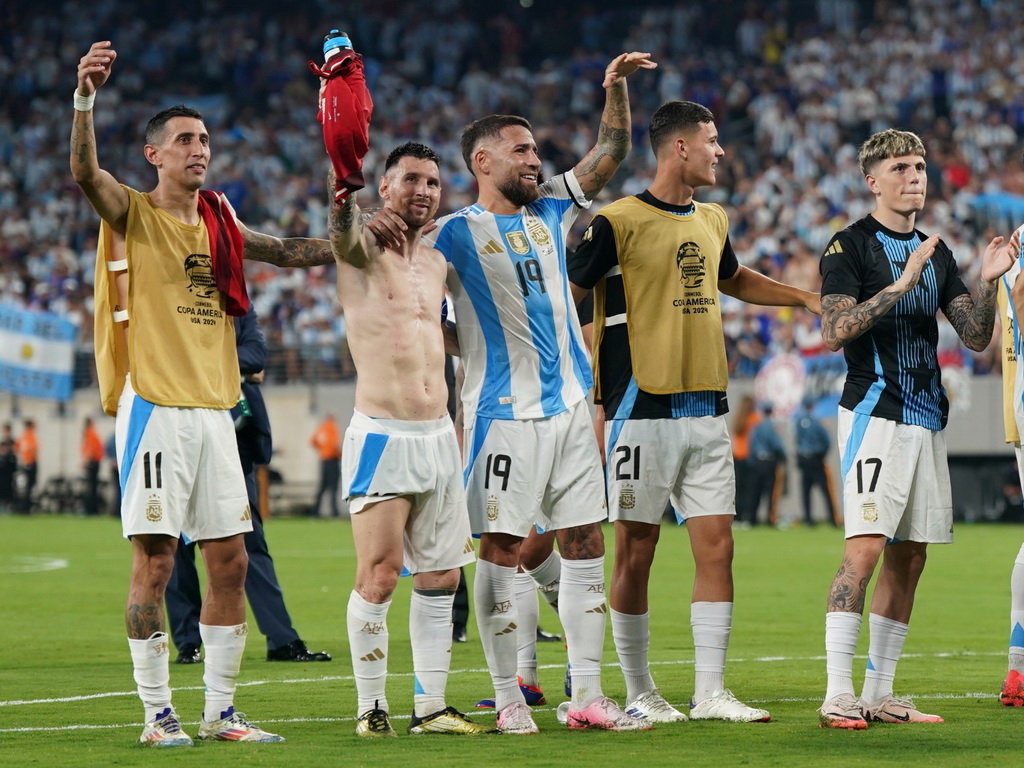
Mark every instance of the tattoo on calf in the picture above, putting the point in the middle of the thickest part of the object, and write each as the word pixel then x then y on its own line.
pixel 144 619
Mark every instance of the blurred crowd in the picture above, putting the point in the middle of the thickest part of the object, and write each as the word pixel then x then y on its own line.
pixel 795 86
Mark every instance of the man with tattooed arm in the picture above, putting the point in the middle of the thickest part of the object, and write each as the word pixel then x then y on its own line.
pixel 882 283
pixel 168 281
pixel 529 448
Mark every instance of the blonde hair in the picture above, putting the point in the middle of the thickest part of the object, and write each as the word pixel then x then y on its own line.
pixel 886 144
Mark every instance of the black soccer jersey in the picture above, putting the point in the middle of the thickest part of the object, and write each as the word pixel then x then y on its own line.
pixel 597 259
pixel 893 367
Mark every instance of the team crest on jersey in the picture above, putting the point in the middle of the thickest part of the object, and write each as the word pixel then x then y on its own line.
pixel 492 508
pixel 154 509
pixel 538 231
pixel 199 270
pixel 518 242
pixel 627 497
pixel 690 263
pixel 869 511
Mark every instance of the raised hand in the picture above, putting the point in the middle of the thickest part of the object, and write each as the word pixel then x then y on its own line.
pixel 916 261
pixel 997 260
pixel 94 67
pixel 626 64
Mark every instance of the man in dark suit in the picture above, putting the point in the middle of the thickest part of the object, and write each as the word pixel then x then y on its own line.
pixel 183 597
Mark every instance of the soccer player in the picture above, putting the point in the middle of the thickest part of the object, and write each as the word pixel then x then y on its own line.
pixel 165 355
pixel 401 471
pixel 530 452
pixel 656 262
pixel 1011 304
pixel 882 283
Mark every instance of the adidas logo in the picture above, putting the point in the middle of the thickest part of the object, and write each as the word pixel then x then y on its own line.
pixel 510 628
pixel 834 249
pixel 375 655
pixel 468 549
pixel 602 608
pixel 491 248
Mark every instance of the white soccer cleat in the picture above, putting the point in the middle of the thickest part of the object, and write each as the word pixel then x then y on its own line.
pixel 844 712
pixel 890 709
pixel 164 730
pixel 232 726
pixel 516 719
pixel 724 706
pixel 652 706
pixel 562 712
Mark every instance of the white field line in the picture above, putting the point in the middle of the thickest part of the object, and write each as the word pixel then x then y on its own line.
pixel 329 678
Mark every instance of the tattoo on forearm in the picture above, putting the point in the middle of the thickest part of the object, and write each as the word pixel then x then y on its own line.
pixel 298 252
pixel 584 542
pixel 843 319
pixel 144 619
pixel 83 140
pixel 615 139
pixel 848 592
pixel 973 320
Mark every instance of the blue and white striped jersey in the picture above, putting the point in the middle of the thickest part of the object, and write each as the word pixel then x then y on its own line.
pixel 518 331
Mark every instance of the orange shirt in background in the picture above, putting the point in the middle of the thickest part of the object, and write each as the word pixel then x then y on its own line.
pixel 327 440
pixel 92 446
pixel 27 447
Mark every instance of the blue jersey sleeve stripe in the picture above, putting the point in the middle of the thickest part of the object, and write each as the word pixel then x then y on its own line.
pixel 137 421
pixel 369 458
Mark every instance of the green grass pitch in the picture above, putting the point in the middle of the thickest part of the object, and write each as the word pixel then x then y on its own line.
pixel 67 696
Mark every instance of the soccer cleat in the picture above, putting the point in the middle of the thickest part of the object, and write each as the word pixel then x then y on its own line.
pixel 447 720
pixel 547 637
pixel 652 706
pixel 189 654
pixel 843 711
pixel 1012 693
pixel 724 706
pixel 562 712
pixel 534 696
pixel 604 714
pixel 516 719
pixel 889 709
pixel 164 730
pixel 374 724
pixel 296 650
pixel 232 726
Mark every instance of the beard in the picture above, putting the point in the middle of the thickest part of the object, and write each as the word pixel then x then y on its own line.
pixel 518 193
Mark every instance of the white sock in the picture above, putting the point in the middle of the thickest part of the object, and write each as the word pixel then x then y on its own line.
pixel 151 661
pixel 496 620
pixel 368 642
pixel 632 636
pixel 548 576
pixel 1016 659
pixel 582 610
pixel 430 627
pixel 224 648
pixel 885 646
pixel 841 632
pixel 528 608
pixel 711 624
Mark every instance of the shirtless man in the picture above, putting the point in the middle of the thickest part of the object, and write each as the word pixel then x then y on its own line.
pixel 401 469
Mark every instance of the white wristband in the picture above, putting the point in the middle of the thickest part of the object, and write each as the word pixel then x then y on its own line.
pixel 84 103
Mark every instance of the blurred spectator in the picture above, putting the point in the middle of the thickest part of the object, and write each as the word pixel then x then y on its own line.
pixel 27 449
pixel 92 458
pixel 327 441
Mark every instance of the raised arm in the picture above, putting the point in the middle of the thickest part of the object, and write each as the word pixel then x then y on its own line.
pixel 613 136
pixel 347 231
pixel 107 197
pixel 843 319
pixel 972 319
pixel 301 252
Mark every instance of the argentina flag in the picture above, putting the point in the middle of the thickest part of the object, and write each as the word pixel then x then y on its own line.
pixel 37 353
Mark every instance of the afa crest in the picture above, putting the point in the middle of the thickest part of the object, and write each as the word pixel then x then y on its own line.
pixel 869 511
pixel 627 497
pixel 492 508
pixel 154 509
pixel 518 242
